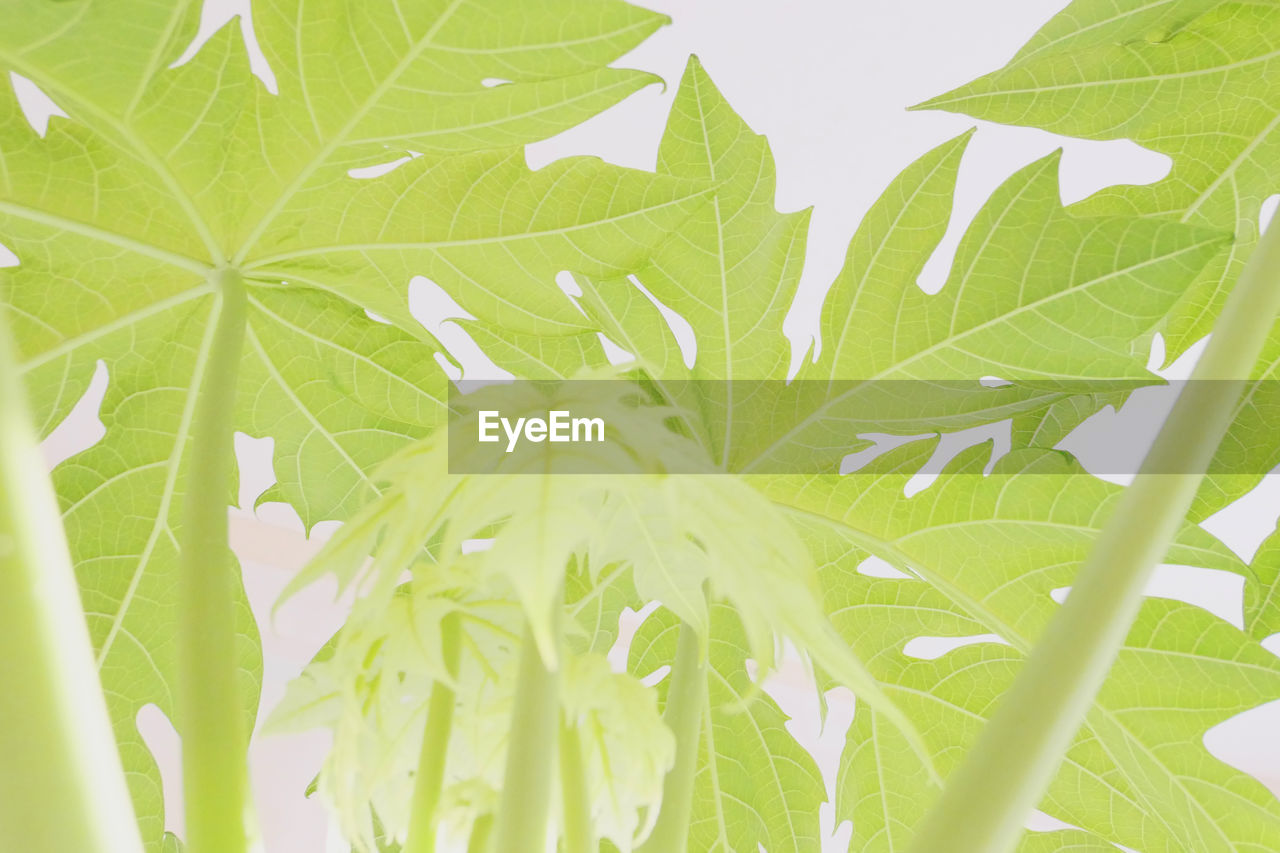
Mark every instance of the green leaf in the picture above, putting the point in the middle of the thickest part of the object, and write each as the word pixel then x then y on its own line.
pixel 685 540
pixel 336 391
pixel 594 602
pixel 983 555
pixel 732 269
pixel 1262 591
pixel 1063 841
pixel 1193 79
pixel 1035 294
pixel 125 214
pixel 1034 291
pixel 121 504
pixel 370 686
pixel 1251 447
pixel 162 175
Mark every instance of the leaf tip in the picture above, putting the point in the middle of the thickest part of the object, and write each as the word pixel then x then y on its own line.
pixel 695 73
pixel 937 102
pixel 951 100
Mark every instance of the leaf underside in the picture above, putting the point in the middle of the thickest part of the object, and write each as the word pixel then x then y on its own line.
pixel 162 175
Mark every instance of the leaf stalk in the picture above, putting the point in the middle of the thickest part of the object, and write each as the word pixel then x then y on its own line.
pixel 579 832
pixel 429 779
pixel 521 825
pixel 210 712
pixel 63 786
pixel 686 698
pixel 481 830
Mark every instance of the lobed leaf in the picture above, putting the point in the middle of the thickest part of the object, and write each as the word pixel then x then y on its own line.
pixel 983 555
pixel 1193 79
pixel 1187 79
pixel 168 171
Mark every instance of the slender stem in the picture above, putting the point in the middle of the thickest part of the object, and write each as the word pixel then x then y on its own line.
pixel 531 751
pixel 429 779
pixel 1009 768
pixel 481 831
pixel 686 698
pixel 210 712
pixel 63 786
pixel 579 833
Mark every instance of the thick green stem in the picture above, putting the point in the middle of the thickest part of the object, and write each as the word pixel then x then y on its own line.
pixel 686 698
pixel 210 712
pixel 481 831
pixel 531 753
pixel 63 787
pixel 1009 768
pixel 429 779
pixel 579 833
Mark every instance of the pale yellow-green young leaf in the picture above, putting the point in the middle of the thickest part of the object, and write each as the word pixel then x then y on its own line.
pixel 627 748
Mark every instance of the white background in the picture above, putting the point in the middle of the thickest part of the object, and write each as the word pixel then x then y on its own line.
pixel 828 82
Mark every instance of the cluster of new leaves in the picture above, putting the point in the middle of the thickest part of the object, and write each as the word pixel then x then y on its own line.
pixel 372 684
pixel 123 215
pixel 686 540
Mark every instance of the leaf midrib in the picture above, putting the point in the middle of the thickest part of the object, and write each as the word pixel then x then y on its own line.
pixel 270 366
pixel 72 344
pixel 327 343
pixel 1048 46
pixel 136 147
pixel 944 100
pixel 259 264
pixel 340 138
pixel 777 777
pixel 172 465
pixel 93 232
pixel 494 122
pixel 1229 173
pixel 640 24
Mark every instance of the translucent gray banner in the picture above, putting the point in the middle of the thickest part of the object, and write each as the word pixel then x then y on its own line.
pixel 620 427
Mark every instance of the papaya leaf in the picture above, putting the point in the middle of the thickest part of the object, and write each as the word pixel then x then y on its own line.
pixel 167 172
pixel 983 556
pixel 1193 79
